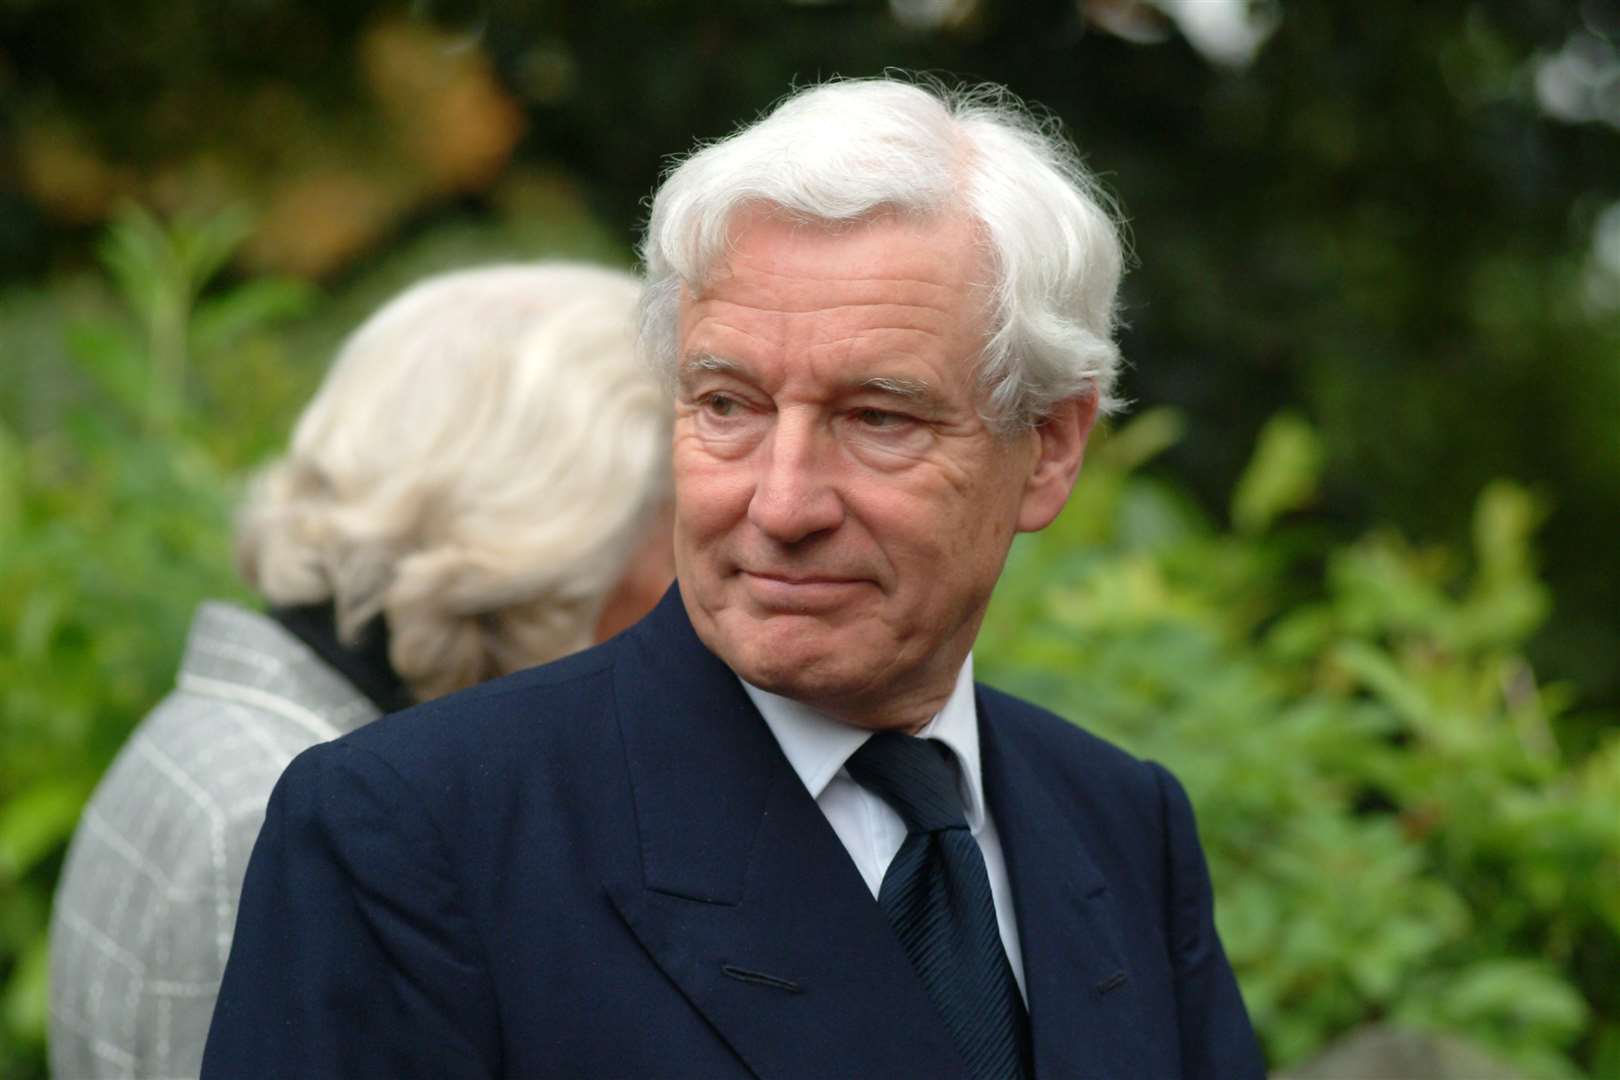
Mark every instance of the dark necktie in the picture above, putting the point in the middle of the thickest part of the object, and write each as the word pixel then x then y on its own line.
pixel 937 896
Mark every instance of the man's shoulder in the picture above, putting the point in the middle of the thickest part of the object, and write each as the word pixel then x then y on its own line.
pixel 522 755
pixel 1075 759
pixel 1039 728
pixel 488 724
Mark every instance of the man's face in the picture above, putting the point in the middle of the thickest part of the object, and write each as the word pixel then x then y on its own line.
pixel 842 510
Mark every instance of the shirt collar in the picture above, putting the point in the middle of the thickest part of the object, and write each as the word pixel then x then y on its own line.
pixel 817 746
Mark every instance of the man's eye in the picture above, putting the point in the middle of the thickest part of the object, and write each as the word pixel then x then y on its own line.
pixel 880 419
pixel 721 405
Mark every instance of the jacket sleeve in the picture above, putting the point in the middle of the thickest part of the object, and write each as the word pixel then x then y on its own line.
pixel 353 955
pixel 1217 1040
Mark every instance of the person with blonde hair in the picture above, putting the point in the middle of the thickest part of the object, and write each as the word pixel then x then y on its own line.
pixel 480 485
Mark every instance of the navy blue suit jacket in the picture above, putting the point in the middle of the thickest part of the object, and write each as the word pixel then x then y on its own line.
pixel 605 867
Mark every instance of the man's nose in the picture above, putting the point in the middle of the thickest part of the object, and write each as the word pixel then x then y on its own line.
pixel 794 492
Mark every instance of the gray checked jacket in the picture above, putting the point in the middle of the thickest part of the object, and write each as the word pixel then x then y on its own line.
pixel 146 906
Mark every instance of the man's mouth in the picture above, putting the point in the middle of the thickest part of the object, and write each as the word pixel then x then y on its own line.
pixel 800 590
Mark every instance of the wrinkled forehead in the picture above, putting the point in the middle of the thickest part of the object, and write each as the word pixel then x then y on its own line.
pixel 777 257
pixel 894 305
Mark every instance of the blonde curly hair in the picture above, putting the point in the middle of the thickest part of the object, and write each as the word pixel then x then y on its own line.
pixel 478 467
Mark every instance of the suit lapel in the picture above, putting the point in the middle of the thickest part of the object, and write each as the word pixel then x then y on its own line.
pixel 1078 988
pixel 747 900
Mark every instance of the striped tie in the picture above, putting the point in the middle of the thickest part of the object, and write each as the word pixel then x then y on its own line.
pixel 937 896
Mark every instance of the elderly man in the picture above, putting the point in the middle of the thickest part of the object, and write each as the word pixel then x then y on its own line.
pixel 776 829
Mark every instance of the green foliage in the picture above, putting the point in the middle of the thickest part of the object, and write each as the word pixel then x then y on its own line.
pixel 1392 826
pixel 1376 224
pixel 1282 476
pixel 112 527
pixel 122 450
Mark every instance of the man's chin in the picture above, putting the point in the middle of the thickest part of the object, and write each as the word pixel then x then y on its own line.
pixel 788 664
pixel 807 678
pixel 793 655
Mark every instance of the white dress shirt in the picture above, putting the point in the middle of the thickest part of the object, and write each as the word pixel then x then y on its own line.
pixel 817 747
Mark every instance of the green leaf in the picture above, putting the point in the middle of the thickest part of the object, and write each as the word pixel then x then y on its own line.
pixel 218 323
pixel 1140 439
pixel 1282 476
pixel 1515 993
pixel 26 998
pixel 11 494
pixel 37 822
pixel 109 354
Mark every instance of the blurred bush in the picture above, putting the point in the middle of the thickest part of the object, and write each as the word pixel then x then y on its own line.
pixel 113 523
pixel 136 406
pixel 334 126
pixel 1405 219
pixel 1393 828
pixel 1402 224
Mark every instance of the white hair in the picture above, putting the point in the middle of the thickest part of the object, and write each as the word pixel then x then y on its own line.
pixel 849 149
pixel 477 468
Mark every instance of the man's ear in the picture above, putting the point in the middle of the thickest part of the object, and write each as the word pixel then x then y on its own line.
pixel 1060 447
